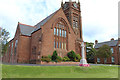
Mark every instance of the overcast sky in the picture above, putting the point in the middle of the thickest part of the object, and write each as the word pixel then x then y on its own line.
pixel 99 17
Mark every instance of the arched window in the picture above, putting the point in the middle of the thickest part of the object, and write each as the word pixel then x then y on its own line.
pixel 57 44
pixel 12 49
pixel 60 45
pixel 62 33
pixel 57 32
pixel 15 50
pixel 65 45
pixel 54 31
pixel 75 22
pixel 61 30
pixel 54 44
pixel 65 34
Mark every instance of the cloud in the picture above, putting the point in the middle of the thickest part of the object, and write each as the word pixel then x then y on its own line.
pixel 99 17
pixel 25 11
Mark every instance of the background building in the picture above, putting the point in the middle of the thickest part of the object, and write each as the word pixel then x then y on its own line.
pixel 115 49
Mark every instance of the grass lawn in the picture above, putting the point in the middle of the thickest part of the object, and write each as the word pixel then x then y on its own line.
pixel 13 71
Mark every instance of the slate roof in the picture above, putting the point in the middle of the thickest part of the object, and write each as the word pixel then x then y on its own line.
pixel 109 43
pixel 38 26
pixel 26 29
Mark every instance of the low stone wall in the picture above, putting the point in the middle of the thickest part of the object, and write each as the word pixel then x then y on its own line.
pixel 60 63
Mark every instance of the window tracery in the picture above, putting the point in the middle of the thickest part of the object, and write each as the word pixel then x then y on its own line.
pixel 60 36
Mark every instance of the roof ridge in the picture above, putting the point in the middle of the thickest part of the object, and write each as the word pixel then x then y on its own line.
pixel 45 20
pixel 107 41
pixel 46 17
pixel 26 25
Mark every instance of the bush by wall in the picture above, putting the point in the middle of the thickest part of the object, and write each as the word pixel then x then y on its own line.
pixel 71 55
pixel 78 58
pixel 45 59
pixel 54 56
pixel 66 59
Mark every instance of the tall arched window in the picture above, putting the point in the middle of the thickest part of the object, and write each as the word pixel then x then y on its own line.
pixel 54 31
pixel 65 34
pixel 75 22
pixel 16 42
pixel 57 32
pixel 62 33
pixel 12 49
pixel 54 44
pixel 61 30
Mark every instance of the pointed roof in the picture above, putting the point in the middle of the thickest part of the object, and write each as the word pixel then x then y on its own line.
pixel 109 43
pixel 26 29
pixel 38 26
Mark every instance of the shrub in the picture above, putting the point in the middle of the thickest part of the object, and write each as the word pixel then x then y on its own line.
pixel 78 57
pixel 54 56
pixel 71 55
pixel 49 56
pixel 66 58
pixel 76 60
pixel 45 59
pixel 59 59
pixel 44 56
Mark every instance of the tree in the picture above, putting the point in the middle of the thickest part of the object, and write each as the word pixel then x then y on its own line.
pixel 54 56
pixel 4 36
pixel 91 52
pixel 90 55
pixel 104 51
pixel 71 55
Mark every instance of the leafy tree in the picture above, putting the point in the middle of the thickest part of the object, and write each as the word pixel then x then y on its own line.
pixel 91 52
pixel 4 36
pixel 104 52
pixel 54 56
pixel 71 55
pixel 90 55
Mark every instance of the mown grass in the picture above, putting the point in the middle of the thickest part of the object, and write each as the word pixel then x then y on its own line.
pixel 15 71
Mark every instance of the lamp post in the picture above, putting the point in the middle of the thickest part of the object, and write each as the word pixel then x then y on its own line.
pixel 83 61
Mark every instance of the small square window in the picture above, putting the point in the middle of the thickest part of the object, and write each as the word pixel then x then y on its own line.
pixel 112 50
pixel 113 59
pixel 98 59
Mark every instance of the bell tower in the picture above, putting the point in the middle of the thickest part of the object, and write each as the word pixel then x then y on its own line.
pixel 73 14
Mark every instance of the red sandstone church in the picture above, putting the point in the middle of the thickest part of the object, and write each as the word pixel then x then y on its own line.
pixel 61 31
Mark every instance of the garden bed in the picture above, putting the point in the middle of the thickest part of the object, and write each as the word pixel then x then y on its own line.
pixel 61 63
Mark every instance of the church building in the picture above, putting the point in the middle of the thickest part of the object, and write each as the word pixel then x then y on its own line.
pixel 60 31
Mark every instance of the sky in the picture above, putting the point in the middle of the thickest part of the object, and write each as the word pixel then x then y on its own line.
pixel 99 17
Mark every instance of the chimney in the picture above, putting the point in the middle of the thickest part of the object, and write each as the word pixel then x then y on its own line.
pixel 96 41
pixel 112 39
pixel 119 39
